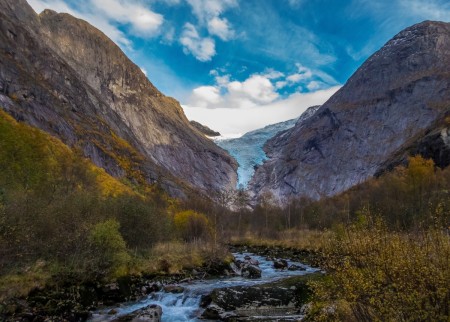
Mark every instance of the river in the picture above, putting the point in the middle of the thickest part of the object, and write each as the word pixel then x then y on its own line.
pixel 186 306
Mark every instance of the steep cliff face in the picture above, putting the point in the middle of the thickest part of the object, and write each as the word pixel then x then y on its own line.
pixel 66 77
pixel 396 96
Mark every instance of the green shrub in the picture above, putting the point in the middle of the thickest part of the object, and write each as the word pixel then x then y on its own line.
pixel 108 248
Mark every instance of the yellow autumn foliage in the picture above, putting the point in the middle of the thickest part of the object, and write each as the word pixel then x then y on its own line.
pixel 192 225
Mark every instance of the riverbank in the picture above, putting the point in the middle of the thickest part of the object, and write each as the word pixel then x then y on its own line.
pixel 39 293
pixel 69 299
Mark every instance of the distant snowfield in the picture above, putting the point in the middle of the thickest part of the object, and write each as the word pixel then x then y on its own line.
pixel 248 149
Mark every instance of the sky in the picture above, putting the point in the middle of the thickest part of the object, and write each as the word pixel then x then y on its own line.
pixel 238 65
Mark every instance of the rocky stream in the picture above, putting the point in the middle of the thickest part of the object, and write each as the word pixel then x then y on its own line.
pixel 255 288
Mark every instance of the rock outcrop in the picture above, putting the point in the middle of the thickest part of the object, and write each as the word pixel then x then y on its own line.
pixel 394 99
pixel 64 76
pixel 280 300
pixel 204 129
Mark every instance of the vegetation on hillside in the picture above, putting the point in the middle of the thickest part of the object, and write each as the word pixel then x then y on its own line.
pixel 60 214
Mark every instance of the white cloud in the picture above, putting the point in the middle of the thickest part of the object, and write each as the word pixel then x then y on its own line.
pixel 220 28
pixel 315 85
pixel 208 13
pixel 207 9
pixel 255 90
pixel 272 74
pixel 280 84
pixel 204 96
pixel 231 122
pixel 427 9
pixel 142 20
pixel 201 48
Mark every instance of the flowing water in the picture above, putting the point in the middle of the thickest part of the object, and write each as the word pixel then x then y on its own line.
pixel 186 306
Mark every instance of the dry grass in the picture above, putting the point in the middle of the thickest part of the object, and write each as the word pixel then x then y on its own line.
pixel 174 257
pixel 21 282
pixel 304 239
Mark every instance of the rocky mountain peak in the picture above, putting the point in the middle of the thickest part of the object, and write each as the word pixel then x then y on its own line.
pixel 399 93
pixel 63 75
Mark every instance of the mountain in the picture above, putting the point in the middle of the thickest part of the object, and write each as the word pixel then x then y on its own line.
pixel 204 129
pixel 64 76
pixel 389 107
pixel 248 149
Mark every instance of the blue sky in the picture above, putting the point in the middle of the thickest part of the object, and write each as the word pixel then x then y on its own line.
pixel 237 65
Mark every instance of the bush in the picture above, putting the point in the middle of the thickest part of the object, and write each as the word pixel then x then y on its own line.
pixel 192 225
pixel 379 275
pixel 108 248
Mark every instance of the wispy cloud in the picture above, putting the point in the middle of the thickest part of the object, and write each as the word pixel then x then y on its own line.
pixel 208 14
pixel 221 28
pixel 201 48
pixel 142 20
pixel 427 9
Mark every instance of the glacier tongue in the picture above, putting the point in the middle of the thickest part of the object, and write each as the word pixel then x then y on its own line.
pixel 248 149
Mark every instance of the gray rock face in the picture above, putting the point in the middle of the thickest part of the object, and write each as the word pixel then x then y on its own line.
pixel 398 94
pixel 64 76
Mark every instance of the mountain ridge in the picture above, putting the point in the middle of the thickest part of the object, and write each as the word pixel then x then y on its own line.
pixel 400 91
pixel 80 87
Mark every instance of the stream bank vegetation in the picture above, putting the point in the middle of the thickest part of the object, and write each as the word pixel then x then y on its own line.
pixel 385 244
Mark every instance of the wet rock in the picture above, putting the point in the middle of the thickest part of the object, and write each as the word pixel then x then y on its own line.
pixel 151 313
pixel 112 312
pixel 205 300
pixel 155 287
pixel 173 289
pixel 252 261
pixel 251 271
pixel 282 298
pixel 294 267
pixel 280 264
pixel 213 312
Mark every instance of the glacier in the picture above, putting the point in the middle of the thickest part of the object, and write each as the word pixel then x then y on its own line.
pixel 248 150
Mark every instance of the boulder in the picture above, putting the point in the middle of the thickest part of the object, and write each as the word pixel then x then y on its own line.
pixel 151 313
pixel 251 271
pixel 294 267
pixel 281 298
pixel 173 289
pixel 280 264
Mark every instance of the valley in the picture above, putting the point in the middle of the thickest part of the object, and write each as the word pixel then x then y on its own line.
pixel 115 207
